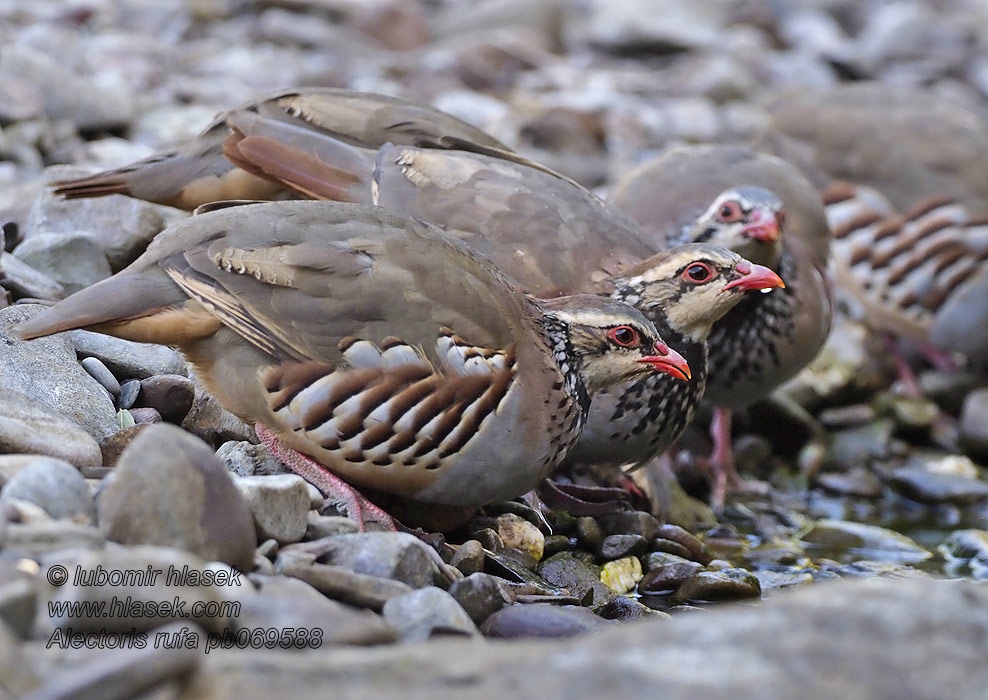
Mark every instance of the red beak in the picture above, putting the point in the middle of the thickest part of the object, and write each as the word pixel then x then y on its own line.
pixel 668 361
pixel 755 277
pixel 765 229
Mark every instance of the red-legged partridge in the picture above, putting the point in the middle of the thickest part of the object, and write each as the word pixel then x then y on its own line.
pixel 281 129
pixel 920 276
pixel 766 211
pixel 383 348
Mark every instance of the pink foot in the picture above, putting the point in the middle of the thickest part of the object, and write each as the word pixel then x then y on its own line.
pixel 907 377
pixel 356 505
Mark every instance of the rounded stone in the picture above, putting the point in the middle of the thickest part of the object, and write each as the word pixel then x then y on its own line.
pixel 98 371
pixel 171 394
pixel 518 533
pixel 54 485
pixel 279 505
pixel 481 595
pixel 469 557
pixel 170 489
pixel 619 546
pixel 28 426
pixel 541 620
pixel 726 584
pixel 426 612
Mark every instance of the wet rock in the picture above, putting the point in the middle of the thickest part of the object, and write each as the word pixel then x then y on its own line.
pixel 726 584
pixel 98 371
pixel 395 555
pixel 127 359
pixel 966 552
pixel 912 414
pixel 171 394
pixel 481 595
pixel 867 568
pixel 625 609
pixel 557 543
pixel 208 420
pixel 618 546
pixel 29 426
pixel 930 487
pixel 873 541
pixel 279 505
pixel 855 447
pixel 141 588
pixel 695 549
pixel 665 573
pixel 170 489
pixel 46 369
pixel 517 533
pixel 469 557
pixel 339 582
pixel 771 581
pixel 318 526
pixel 589 533
pixel 247 459
pixel 579 578
pixel 541 620
pixel 288 603
pixel 629 522
pixel 56 486
pixel 427 612
pixel 74 260
pixel 621 575
pixel 858 482
pixel 974 424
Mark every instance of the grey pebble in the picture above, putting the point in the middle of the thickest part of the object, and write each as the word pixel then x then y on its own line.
pixel 128 393
pixel 726 584
pixel 318 526
pixel 469 557
pixel 127 359
pixel 56 486
pixel 279 505
pixel 541 620
pixel 245 458
pixel 98 371
pixel 171 394
pixel 395 555
pixel 339 582
pixel 926 486
pixel 29 426
pixel 74 260
pixel 170 489
pixel 481 595
pixel 427 612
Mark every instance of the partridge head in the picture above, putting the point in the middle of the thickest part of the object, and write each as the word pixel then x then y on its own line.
pixel 383 348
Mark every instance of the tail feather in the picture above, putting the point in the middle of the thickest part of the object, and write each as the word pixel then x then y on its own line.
pixel 118 298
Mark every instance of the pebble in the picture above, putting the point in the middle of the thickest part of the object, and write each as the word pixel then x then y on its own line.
pixel 127 359
pixel 541 620
pixel 626 609
pixel 29 426
pixel 619 546
pixel 428 612
pixel 169 489
pixel 19 668
pixel 25 281
pixel 877 542
pixel 18 599
pixel 771 581
pixel 74 260
pixel 46 369
pixel 339 582
pixel 145 416
pixel 469 557
pixel 279 505
pixel 98 371
pixel 630 522
pixel 726 584
pixel 858 482
pixel 112 447
pixel 128 393
pixel 54 485
pixel 589 533
pixel 926 486
pixel 394 555
pixel 318 526
pixel 285 603
pixel 33 539
pixel 481 595
pixel 974 425
pixel 171 394
pixel 697 550
pixel 621 575
pixel 579 578
pixel 665 573
pixel 208 420
pixel 245 458
pixel 966 552
pixel 517 533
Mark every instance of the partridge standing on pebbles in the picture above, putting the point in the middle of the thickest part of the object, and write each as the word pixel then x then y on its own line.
pixel 770 214
pixel 548 233
pixel 921 276
pixel 379 346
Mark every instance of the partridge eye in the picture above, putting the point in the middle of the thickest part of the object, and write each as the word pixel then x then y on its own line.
pixel 729 211
pixel 698 272
pixel 625 336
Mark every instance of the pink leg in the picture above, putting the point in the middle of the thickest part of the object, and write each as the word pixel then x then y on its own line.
pixel 906 375
pixel 941 359
pixel 356 505
pixel 722 458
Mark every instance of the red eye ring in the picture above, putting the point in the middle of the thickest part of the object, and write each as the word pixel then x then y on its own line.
pixel 624 336
pixel 698 273
pixel 729 211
